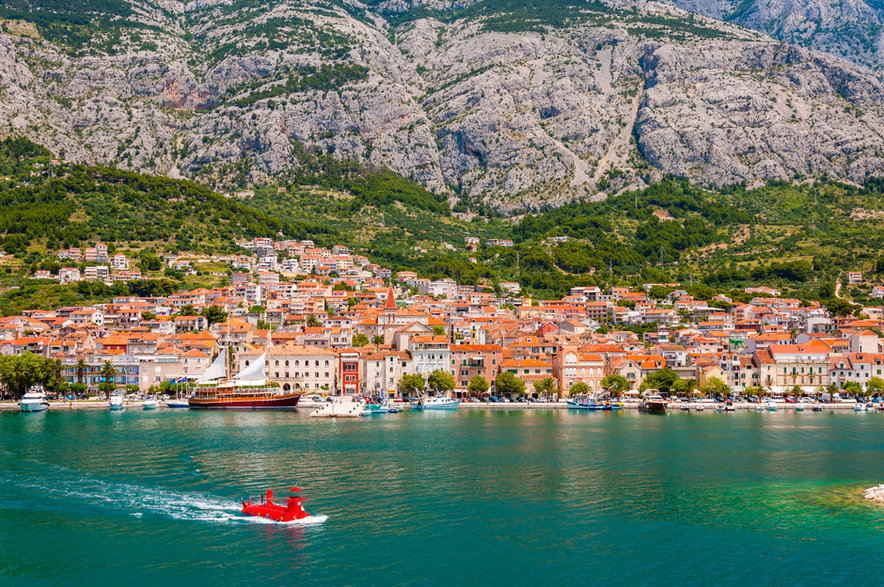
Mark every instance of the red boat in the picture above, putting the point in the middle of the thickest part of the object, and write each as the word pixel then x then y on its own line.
pixel 267 509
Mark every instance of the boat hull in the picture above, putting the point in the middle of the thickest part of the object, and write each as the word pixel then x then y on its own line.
pixel 280 402
pixel 437 406
pixel 30 407
pixel 177 404
pixel 592 407
pixel 652 407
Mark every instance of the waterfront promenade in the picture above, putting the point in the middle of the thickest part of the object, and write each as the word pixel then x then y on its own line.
pixel 306 405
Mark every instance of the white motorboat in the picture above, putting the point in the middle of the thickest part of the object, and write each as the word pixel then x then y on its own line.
pixel 770 406
pixel 177 403
pixel 115 403
pixel 34 400
pixel 436 403
pixel 150 403
pixel 345 406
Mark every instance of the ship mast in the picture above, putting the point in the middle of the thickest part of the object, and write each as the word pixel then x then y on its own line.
pixel 229 362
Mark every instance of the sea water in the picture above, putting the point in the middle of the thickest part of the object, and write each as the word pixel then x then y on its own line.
pixel 516 497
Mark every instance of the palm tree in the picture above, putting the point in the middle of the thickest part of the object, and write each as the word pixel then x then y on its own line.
pixel 81 369
pixel 52 375
pixel 108 373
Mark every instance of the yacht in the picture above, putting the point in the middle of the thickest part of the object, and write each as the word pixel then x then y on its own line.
pixel 436 403
pixel 150 403
pixel 115 403
pixel 34 400
pixel 653 403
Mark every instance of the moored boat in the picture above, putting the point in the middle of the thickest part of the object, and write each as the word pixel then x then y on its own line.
pixel 653 404
pixel 247 390
pixel 591 404
pixel 436 403
pixel 34 400
pixel 344 406
pixel 177 403
pixel 372 408
pixel 150 403
pixel 116 403
pixel 770 406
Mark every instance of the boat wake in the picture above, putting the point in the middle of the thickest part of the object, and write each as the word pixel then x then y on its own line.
pixel 86 493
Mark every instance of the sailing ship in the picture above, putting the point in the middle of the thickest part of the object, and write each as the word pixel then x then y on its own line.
pixel 250 389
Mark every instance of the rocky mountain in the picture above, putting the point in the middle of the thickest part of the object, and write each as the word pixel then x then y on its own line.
pixel 853 29
pixel 496 102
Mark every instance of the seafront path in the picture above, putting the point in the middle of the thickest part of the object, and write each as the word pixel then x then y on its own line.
pixel 303 405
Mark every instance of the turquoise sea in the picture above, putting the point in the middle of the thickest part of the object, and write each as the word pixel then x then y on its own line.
pixel 467 497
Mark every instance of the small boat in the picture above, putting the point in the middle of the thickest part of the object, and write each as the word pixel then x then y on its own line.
pixel 34 400
pixel 859 408
pixel 729 406
pixel 115 403
pixel 817 408
pixel 770 406
pixel 150 403
pixel 700 408
pixel 345 406
pixel 799 408
pixel 653 404
pixel 592 404
pixel 291 511
pixel 436 403
pixel 378 408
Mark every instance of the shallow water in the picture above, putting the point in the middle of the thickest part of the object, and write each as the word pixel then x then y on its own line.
pixel 522 497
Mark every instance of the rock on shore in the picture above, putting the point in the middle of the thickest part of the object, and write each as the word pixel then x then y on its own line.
pixel 875 493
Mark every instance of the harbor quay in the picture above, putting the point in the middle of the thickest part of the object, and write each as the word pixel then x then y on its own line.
pixel 553 405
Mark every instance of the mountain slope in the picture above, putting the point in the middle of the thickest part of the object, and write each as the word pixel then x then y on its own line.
pixel 853 29
pixel 495 103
